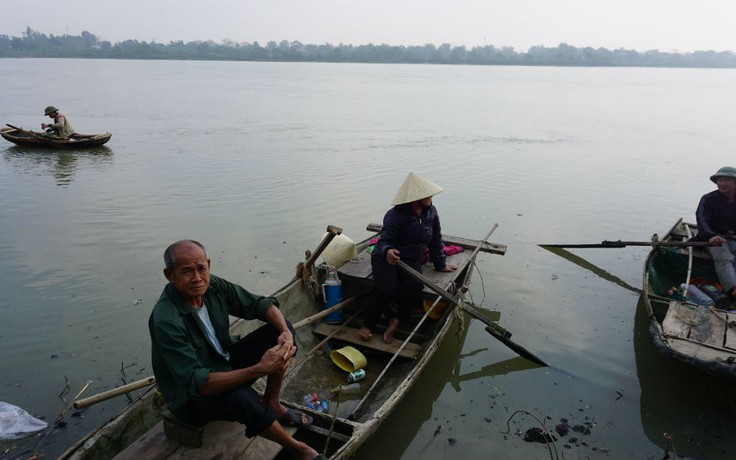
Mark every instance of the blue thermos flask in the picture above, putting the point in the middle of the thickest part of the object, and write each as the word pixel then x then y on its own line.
pixel 332 292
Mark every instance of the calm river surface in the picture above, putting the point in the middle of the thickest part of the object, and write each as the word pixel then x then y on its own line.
pixel 256 159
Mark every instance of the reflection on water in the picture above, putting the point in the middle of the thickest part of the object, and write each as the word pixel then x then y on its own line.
pixel 271 153
pixel 444 370
pixel 60 164
pixel 696 409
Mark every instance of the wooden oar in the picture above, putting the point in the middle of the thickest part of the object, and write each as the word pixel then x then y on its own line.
pixel 623 244
pixel 32 133
pixel 492 328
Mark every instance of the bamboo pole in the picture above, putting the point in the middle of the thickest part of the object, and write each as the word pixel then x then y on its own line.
pixel 105 395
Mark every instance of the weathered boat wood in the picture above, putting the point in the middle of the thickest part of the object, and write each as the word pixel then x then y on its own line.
pixel 29 138
pixel 704 337
pixel 339 432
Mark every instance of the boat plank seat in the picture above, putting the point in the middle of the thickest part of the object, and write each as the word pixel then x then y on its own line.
pixel 688 322
pixel 214 440
pixel 350 335
pixel 730 331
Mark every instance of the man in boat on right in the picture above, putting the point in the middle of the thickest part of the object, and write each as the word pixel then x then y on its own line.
pixel 716 219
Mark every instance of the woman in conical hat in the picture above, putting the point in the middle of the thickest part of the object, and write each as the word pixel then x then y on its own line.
pixel 410 226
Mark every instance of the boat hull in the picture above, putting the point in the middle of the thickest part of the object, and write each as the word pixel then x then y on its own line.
pixel 699 336
pixel 36 139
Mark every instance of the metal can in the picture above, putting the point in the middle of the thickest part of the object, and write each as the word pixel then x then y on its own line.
pixel 356 376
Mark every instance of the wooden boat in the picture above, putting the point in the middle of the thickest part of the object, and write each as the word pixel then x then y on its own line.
pixel 28 138
pixel 392 369
pixel 701 336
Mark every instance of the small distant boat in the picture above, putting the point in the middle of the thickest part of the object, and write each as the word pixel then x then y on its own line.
pixel 699 335
pixel 29 138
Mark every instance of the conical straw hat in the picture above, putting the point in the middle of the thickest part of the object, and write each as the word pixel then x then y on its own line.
pixel 415 188
pixel 340 250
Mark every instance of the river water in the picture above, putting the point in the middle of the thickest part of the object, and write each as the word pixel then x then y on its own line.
pixel 256 159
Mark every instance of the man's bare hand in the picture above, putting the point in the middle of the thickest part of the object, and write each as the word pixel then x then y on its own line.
pixel 277 358
pixel 717 240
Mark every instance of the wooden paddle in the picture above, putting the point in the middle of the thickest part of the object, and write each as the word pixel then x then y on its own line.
pixel 492 328
pixel 623 244
pixel 32 133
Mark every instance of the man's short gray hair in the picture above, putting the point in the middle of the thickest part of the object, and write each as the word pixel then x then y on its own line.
pixel 169 252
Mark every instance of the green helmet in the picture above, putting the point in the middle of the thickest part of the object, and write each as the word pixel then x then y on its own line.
pixel 726 171
pixel 50 109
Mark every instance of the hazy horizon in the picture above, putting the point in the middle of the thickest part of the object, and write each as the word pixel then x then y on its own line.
pixel 667 26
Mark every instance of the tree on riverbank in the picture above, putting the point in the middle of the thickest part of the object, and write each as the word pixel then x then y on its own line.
pixel 36 44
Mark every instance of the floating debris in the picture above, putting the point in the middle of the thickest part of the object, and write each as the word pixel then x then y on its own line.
pixel 537 434
pixel 562 428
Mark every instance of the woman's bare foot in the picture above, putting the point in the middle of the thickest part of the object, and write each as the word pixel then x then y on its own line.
pixel 388 336
pixel 365 333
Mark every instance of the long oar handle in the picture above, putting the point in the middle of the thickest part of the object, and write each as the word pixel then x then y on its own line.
pixel 104 396
pixel 500 332
pixel 623 244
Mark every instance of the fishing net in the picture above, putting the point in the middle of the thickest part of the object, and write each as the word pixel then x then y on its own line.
pixel 668 269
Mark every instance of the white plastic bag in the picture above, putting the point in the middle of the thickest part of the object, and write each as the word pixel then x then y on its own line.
pixel 16 423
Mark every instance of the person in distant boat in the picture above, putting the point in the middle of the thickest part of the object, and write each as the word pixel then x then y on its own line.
pixel 409 227
pixel 716 219
pixel 60 128
pixel 206 374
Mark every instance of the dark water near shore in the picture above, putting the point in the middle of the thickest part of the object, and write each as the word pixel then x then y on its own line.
pixel 255 159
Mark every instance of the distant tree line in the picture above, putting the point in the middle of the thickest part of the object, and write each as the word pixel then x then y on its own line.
pixel 35 44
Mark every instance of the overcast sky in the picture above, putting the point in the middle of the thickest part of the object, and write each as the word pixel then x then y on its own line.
pixel 666 25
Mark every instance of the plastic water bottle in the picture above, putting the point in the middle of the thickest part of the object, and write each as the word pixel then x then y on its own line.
pixel 349 389
pixel 696 296
pixel 332 292
pixel 310 398
pixel 324 406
